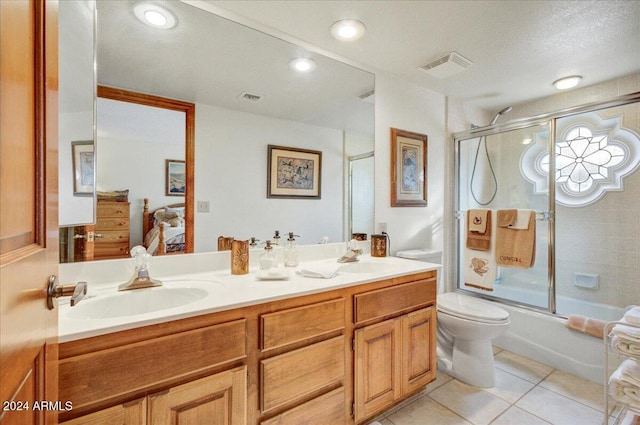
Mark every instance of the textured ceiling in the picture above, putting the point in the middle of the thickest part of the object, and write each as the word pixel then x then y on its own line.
pixel 518 48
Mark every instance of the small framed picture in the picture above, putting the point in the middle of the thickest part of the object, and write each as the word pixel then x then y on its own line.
pixel 83 159
pixel 175 177
pixel 408 169
pixel 293 173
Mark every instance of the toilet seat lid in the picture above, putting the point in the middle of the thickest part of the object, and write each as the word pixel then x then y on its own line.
pixel 466 307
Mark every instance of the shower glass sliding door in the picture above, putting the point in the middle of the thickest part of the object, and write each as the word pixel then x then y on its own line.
pixel 597 217
pixel 511 261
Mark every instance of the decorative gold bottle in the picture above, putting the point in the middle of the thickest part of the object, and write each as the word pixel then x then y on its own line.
pixel 239 257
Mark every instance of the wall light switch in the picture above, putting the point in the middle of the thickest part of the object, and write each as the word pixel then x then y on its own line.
pixel 203 206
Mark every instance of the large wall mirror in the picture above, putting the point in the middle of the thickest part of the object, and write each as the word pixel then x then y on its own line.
pixel 246 97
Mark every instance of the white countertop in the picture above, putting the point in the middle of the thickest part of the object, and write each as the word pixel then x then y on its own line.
pixel 225 292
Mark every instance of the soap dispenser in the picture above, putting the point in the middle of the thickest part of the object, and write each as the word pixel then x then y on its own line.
pixel 276 238
pixel 291 251
pixel 268 258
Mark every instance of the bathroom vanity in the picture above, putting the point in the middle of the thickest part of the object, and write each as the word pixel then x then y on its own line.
pixel 301 351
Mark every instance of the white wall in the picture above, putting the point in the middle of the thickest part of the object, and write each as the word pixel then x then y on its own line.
pixel 405 106
pixel 75 102
pixel 231 174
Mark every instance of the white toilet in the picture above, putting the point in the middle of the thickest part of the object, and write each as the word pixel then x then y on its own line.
pixel 466 327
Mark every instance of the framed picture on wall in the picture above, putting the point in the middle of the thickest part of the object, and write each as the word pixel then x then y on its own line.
pixel 408 169
pixel 83 159
pixel 293 173
pixel 175 177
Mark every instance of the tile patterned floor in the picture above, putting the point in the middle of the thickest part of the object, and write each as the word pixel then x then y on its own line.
pixel 526 393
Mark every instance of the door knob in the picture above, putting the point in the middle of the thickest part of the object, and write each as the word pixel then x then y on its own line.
pixel 54 290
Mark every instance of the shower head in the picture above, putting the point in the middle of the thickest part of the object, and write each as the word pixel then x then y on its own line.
pixel 502 112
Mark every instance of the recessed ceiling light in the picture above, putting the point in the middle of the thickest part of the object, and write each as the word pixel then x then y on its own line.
pixel 154 16
pixel 348 30
pixel 302 64
pixel 567 82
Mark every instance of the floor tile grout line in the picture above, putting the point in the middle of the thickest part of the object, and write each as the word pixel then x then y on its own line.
pixel 455 413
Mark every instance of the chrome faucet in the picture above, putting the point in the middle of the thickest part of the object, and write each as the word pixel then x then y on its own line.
pixel 353 251
pixel 140 278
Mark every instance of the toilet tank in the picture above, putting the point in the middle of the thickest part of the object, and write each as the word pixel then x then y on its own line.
pixel 427 255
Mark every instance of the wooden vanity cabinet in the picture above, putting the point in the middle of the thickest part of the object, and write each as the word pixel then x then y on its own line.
pixel 334 357
pixel 394 356
pixel 186 369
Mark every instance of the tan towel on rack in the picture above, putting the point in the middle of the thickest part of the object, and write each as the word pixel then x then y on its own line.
pixel 517 247
pixel 481 220
pixel 480 269
pixel 507 218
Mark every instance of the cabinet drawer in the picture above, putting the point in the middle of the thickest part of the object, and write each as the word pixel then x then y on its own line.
pixel 297 374
pixel 397 299
pixel 112 223
pixel 328 409
pixel 297 324
pixel 112 209
pixel 112 236
pixel 113 372
pixel 111 250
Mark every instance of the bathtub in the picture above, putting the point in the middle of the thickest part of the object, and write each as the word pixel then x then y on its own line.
pixel 544 338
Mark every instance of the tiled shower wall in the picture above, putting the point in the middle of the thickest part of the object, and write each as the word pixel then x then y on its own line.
pixel 601 238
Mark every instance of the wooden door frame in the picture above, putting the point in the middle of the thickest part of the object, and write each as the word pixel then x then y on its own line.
pixel 189 110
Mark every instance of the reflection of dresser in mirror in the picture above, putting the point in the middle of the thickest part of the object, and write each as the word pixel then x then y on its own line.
pixel 112 230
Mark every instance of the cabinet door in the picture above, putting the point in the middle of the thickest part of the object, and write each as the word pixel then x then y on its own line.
pixel 377 367
pixel 132 413
pixel 419 360
pixel 215 400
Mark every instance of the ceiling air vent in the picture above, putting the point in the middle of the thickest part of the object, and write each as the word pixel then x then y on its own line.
pixel 368 96
pixel 447 65
pixel 250 97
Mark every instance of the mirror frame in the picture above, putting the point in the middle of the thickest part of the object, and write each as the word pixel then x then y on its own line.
pixel 190 122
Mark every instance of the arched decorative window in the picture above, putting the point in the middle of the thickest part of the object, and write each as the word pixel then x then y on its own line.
pixel 592 156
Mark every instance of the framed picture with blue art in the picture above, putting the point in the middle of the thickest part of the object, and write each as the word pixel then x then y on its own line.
pixel 175 177
pixel 83 159
pixel 408 169
pixel 293 173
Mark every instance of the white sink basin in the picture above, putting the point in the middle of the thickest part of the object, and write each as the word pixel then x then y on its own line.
pixel 367 267
pixel 134 302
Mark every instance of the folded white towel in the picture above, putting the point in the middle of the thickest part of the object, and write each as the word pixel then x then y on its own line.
pixel 623 390
pixel 522 220
pixel 630 372
pixel 632 315
pixel 627 332
pixel 626 346
pixel 324 271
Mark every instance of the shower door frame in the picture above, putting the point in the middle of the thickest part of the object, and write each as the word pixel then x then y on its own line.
pixel 549 120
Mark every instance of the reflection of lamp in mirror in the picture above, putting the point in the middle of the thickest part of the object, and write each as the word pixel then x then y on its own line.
pixel 154 15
